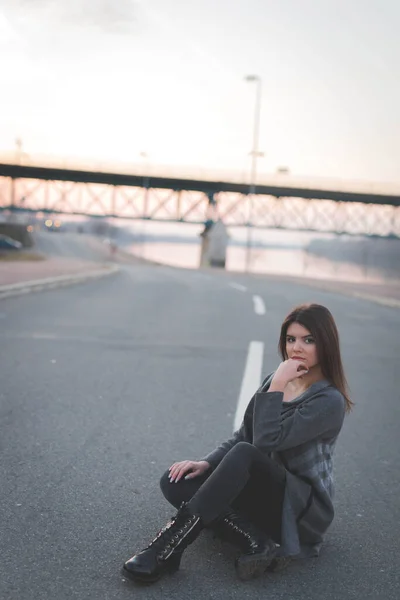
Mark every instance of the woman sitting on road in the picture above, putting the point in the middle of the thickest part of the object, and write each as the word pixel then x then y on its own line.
pixel 269 488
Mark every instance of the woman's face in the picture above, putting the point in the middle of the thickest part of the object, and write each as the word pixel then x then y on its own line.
pixel 300 345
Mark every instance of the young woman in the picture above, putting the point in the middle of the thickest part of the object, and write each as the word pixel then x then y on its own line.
pixel 269 488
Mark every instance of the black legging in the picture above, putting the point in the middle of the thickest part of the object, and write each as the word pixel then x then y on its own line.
pixel 245 480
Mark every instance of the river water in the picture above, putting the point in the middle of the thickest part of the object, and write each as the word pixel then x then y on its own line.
pixel 283 252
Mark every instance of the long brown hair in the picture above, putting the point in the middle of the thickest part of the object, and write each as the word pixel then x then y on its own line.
pixel 321 324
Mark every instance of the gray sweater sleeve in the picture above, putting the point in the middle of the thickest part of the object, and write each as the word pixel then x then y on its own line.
pixel 320 415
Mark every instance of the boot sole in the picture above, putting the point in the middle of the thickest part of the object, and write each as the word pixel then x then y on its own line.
pixel 138 578
pixel 250 566
pixel 279 564
pixel 169 569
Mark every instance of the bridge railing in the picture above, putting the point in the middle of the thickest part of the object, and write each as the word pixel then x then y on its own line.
pixel 199 173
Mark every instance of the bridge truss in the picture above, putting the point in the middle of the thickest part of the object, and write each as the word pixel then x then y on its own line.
pixel 236 208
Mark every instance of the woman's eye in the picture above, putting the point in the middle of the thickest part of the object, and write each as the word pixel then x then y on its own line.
pixel 290 340
pixel 309 340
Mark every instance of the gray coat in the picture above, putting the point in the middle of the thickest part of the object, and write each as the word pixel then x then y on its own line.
pixel 301 435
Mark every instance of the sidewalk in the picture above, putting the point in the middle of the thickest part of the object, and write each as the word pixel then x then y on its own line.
pixel 387 294
pixel 24 277
pixel 389 291
pixel 24 271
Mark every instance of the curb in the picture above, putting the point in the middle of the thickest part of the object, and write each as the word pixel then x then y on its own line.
pixel 327 287
pixel 38 285
pixel 384 301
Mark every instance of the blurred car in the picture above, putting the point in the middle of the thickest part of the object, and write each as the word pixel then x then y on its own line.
pixel 7 243
pixel 55 225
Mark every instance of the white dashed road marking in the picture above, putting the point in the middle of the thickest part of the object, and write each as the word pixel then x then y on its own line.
pixel 259 306
pixel 238 286
pixel 251 379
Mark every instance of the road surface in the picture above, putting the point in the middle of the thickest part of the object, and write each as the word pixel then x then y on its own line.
pixel 105 384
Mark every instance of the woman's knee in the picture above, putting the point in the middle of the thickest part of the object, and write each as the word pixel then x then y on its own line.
pixel 243 449
pixel 241 453
pixel 172 492
pixel 165 485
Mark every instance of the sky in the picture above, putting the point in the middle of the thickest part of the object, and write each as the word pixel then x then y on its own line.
pixel 163 82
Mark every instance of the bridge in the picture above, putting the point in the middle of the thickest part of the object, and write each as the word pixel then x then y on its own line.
pixel 285 203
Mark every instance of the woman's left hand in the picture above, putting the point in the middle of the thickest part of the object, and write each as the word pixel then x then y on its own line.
pixel 187 469
pixel 287 371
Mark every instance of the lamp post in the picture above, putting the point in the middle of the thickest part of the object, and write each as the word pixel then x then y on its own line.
pixel 19 151
pixel 254 155
pixel 146 169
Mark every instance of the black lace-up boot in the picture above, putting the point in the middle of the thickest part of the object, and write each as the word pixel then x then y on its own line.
pixel 164 553
pixel 259 551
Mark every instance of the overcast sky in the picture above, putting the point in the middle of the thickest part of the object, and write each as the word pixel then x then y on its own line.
pixel 109 79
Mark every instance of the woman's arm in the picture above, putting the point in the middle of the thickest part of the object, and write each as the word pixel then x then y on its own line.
pixel 317 416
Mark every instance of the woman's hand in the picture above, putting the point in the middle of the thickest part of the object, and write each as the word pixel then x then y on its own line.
pixel 287 371
pixel 187 468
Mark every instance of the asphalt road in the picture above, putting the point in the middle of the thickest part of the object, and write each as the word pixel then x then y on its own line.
pixel 104 384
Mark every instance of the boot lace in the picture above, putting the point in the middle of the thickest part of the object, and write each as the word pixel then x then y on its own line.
pixel 243 529
pixel 170 535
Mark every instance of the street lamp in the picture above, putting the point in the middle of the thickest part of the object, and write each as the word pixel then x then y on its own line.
pixel 19 152
pixel 254 155
pixel 146 181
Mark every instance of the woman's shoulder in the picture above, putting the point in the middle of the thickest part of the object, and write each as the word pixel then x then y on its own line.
pixel 333 392
pixel 321 398
pixel 334 401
